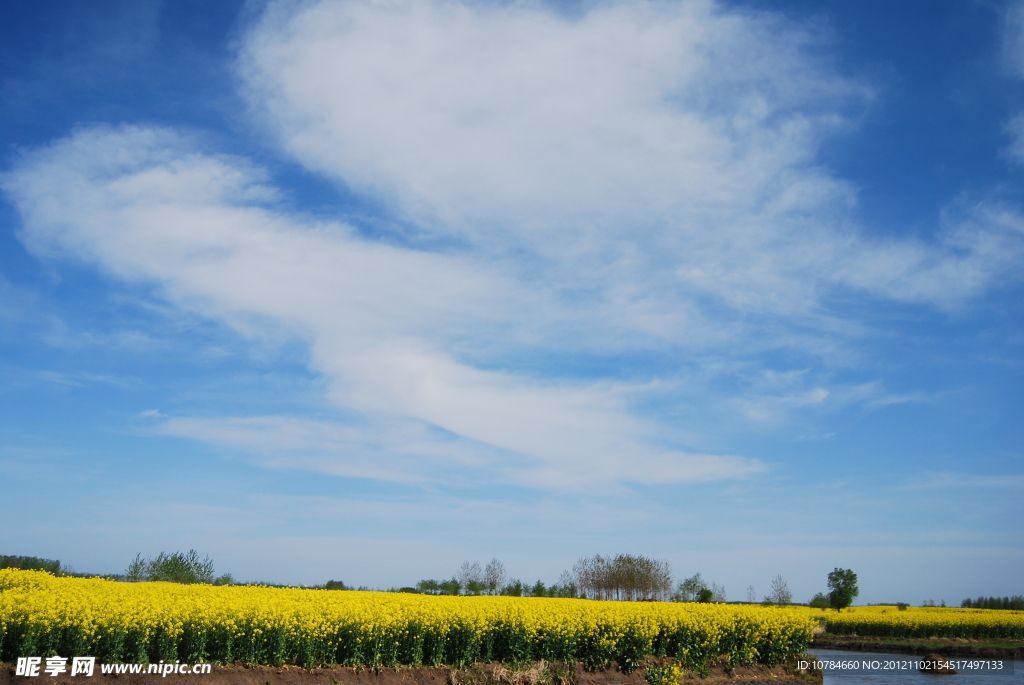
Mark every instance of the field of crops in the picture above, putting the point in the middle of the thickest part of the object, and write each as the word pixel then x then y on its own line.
pixel 924 622
pixel 42 615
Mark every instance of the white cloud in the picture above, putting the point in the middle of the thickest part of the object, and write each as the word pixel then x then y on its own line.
pixel 513 114
pixel 637 180
pixel 142 204
pixel 658 149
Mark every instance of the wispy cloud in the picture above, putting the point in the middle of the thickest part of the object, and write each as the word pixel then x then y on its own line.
pixel 1015 131
pixel 417 452
pixel 84 378
pixel 1013 62
pixel 1013 38
pixel 946 479
pixel 143 204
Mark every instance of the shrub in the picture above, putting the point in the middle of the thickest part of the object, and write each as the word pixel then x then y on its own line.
pixel 173 568
pixel 669 674
pixel 819 601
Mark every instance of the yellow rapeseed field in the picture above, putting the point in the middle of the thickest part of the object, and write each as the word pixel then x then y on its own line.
pixel 922 622
pixel 42 615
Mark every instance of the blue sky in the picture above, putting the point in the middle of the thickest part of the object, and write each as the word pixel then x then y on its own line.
pixel 359 291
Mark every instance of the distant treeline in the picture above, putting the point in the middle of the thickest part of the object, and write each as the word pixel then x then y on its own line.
pixel 1016 603
pixel 31 564
pixel 621 577
pixel 472 579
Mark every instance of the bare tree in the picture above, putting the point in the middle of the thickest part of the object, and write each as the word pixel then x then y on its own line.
pixel 624 577
pixel 751 594
pixel 780 592
pixel 471 578
pixel 494 576
pixel 567 585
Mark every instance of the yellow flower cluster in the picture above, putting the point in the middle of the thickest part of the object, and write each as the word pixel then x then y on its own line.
pixel 138 622
pixel 914 622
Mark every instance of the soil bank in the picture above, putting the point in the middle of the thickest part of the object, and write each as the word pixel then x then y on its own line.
pixel 293 675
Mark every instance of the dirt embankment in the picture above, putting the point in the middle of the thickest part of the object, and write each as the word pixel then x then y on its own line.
pixel 481 674
pixel 987 649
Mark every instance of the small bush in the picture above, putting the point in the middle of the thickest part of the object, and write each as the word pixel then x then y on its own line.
pixel 668 674
pixel 819 601
pixel 173 568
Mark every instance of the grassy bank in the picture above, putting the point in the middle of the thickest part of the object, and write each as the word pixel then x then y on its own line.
pixel 994 648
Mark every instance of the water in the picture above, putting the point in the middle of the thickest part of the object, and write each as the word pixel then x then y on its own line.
pixel 913 676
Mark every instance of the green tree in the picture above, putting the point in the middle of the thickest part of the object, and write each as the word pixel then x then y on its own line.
pixel 843 588
pixel 32 564
pixel 429 587
pixel 819 601
pixel 515 588
pixel 690 588
pixel 450 587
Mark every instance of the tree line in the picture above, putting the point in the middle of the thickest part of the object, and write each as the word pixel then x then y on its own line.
pixel 474 579
pixel 623 577
pixel 32 564
pixel 1015 603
